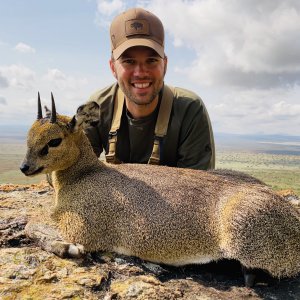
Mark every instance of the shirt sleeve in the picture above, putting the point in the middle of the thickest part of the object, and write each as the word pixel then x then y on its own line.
pixel 94 137
pixel 98 135
pixel 196 148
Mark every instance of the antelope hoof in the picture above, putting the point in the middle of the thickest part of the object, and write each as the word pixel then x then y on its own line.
pixel 63 249
pixel 249 280
pixel 249 276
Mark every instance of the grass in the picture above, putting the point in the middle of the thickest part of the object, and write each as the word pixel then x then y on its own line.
pixel 279 171
pixel 11 157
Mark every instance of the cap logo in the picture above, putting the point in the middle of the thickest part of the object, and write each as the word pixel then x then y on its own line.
pixel 137 25
pixel 134 27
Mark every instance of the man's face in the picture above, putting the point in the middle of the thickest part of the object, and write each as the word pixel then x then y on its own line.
pixel 140 73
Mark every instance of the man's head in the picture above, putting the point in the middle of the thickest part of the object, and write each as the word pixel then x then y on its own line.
pixel 136 27
pixel 138 60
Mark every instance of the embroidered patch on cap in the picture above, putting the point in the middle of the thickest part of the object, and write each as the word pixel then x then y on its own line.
pixel 134 27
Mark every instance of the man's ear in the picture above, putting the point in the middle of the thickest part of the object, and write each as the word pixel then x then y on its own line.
pixel 166 64
pixel 113 67
pixel 87 115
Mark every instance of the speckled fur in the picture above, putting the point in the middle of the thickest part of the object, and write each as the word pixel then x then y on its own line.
pixel 162 214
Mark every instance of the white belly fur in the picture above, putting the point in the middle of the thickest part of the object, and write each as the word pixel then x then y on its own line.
pixel 197 259
pixel 201 259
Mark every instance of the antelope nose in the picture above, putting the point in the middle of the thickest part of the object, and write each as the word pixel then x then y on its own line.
pixel 24 168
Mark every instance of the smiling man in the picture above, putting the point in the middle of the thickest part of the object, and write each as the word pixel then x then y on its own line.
pixel 143 120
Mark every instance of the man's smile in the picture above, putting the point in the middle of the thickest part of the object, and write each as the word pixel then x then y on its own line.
pixel 141 85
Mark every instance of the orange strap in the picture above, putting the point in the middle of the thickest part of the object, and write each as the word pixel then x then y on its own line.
pixel 162 123
pixel 116 122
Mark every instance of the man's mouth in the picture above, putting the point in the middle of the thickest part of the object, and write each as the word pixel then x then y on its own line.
pixel 141 85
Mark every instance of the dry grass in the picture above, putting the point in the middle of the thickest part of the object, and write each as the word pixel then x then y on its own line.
pixel 11 156
pixel 279 171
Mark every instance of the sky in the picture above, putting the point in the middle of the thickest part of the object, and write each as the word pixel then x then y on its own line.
pixel 242 57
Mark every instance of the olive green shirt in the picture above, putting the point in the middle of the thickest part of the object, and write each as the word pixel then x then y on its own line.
pixel 189 141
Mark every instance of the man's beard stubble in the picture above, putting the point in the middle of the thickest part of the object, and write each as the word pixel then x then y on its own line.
pixel 135 100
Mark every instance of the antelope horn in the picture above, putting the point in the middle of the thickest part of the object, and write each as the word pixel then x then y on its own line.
pixel 39 114
pixel 53 111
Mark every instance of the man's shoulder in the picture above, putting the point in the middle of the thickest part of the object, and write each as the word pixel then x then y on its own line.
pixel 185 97
pixel 105 94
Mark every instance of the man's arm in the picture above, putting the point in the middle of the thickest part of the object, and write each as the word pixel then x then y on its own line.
pixel 94 137
pixel 104 98
pixel 196 147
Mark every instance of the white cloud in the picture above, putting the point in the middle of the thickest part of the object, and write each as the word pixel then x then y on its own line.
pixel 24 48
pixel 69 92
pixel 61 81
pixel 3 81
pixel 285 110
pixel 18 76
pixel 2 101
pixel 266 111
pixel 106 10
pixel 110 8
pixel 238 43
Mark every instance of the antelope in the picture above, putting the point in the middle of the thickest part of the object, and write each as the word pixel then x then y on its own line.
pixel 161 214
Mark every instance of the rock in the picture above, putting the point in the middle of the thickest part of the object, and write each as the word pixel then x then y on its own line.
pixel 154 268
pixel 135 287
pixel 291 196
pixel 27 272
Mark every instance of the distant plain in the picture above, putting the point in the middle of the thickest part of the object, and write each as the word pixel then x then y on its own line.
pixel 273 159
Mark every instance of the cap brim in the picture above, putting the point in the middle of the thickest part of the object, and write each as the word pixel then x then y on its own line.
pixel 138 42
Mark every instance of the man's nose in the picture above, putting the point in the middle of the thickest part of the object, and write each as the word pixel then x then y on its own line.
pixel 140 68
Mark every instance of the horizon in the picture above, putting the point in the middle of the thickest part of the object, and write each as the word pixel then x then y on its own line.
pixel 23 128
pixel 278 145
pixel 243 60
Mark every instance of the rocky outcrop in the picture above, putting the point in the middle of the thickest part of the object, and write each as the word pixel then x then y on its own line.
pixel 27 272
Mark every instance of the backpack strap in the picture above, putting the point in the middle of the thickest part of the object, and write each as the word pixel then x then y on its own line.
pixel 116 122
pixel 162 123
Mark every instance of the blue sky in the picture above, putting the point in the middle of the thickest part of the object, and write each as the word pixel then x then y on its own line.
pixel 241 56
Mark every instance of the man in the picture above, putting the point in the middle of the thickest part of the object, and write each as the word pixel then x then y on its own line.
pixel 156 124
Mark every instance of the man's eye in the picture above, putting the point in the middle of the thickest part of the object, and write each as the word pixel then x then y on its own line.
pixel 152 60
pixel 128 61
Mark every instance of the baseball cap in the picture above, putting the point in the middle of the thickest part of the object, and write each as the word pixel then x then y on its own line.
pixel 136 27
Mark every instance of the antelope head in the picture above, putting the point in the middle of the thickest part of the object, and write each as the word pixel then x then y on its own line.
pixel 51 140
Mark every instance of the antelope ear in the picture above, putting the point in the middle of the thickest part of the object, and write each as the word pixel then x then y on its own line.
pixel 72 124
pixel 48 112
pixel 87 115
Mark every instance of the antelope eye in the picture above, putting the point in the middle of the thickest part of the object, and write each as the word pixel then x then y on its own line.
pixel 54 142
pixel 44 151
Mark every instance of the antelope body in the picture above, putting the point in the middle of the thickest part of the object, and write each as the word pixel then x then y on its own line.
pixel 160 214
